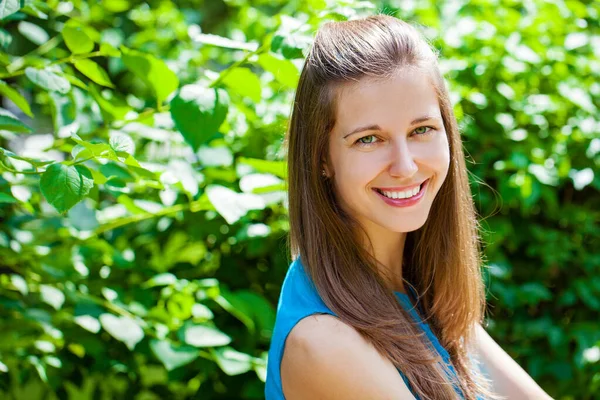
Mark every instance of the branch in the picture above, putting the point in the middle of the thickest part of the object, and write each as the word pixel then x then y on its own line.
pixel 44 48
pixel 71 59
pixel 194 206
pixel 236 64
pixel 14 171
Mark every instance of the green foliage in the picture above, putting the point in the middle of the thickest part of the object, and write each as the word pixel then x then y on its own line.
pixel 10 122
pixel 77 39
pixel 64 186
pixel 198 112
pixel 48 80
pixel 152 71
pixel 143 239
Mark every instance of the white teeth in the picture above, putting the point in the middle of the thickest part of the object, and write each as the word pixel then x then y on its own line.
pixel 402 195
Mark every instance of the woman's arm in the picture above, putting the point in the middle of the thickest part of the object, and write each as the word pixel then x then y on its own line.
pixel 326 359
pixel 508 378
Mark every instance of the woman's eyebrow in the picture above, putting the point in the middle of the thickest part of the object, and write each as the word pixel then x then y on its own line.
pixel 364 128
pixel 376 127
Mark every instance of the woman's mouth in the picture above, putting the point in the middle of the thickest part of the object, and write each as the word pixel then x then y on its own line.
pixel 402 198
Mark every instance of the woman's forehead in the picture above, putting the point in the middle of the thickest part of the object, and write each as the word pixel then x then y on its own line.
pixel 405 96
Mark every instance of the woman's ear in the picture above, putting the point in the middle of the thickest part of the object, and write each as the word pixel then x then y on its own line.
pixel 325 171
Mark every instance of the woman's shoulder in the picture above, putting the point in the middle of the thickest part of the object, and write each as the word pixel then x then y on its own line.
pixel 298 301
pixel 324 356
pixel 322 333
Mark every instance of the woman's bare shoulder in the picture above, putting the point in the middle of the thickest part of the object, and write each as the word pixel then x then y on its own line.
pixel 325 358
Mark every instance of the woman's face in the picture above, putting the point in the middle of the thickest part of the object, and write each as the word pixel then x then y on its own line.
pixel 388 139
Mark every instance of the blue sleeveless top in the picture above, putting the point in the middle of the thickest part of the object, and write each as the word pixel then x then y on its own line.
pixel 299 299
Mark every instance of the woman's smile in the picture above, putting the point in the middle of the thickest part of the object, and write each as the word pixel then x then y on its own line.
pixel 403 198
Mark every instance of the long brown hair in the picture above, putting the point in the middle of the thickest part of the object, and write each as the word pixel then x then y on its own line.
pixel 442 259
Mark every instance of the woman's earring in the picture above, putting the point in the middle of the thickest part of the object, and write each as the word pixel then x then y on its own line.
pixel 323 173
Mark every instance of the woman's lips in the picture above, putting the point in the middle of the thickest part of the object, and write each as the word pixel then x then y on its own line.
pixel 404 202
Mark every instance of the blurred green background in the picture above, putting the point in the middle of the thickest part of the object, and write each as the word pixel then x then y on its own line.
pixel 142 205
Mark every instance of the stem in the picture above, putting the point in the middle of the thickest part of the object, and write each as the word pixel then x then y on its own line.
pixel 14 171
pixel 44 48
pixel 72 58
pixel 194 206
pixel 112 307
pixel 75 162
pixel 236 64
pixel 142 116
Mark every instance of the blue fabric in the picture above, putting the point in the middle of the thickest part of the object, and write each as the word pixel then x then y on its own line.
pixel 299 299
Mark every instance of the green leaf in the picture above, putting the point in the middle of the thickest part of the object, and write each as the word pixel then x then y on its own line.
pixel 20 284
pixel 164 279
pixel 220 41
pixel 53 296
pixel 113 109
pixel 135 166
pixel 244 82
pixel 8 7
pixel 10 122
pixel 203 336
pixel 261 369
pixel 231 361
pixel 111 169
pixel 277 168
pixel 33 32
pixel 76 38
pixel 5 38
pixel 288 46
pixel 73 80
pixel 33 10
pixel 292 37
pixel 93 71
pixel 201 311
pixel 48 80
pixel 64 186
pixel 219 156
pixel 153 71
pixel 255 307
pixel 124 329
pixel 116 6
pixel 99 178
pixel 108 50
pixel 270 189
pixel 15 97
pixel 231 205
pixel 40 368
pixel 64 110
pixel 198 112
pixel 103 150
pixel 284 70
pixel 236 312
pixel 88 322
pixel 173 356
pixel 7 198
pixel 122 142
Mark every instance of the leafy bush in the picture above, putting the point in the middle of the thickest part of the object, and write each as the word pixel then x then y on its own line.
pixel 143 240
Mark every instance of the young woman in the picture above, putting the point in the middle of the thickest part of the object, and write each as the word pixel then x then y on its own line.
pixel 384 298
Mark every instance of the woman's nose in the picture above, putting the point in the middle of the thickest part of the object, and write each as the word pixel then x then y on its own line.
pixel 402 163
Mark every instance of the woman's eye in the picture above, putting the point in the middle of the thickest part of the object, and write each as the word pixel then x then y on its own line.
pixel 367 139
pixel 423 130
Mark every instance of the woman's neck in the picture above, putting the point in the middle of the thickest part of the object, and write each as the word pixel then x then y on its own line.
pixel 388 249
